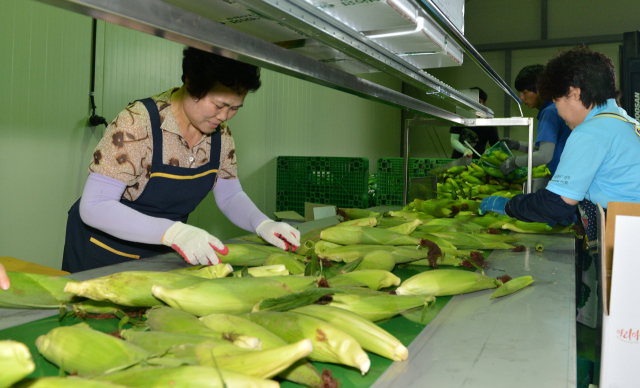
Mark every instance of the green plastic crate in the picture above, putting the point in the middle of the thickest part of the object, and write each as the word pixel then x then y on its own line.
pixel 339 181
pixel 390 178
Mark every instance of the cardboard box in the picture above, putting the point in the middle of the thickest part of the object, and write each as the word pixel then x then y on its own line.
pixel 620 261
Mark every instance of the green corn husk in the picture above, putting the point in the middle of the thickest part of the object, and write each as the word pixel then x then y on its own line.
pixel 445 259
pixel 330 344
pixel 406 228
pixel 15 362
pixel 490 220
pixel 323 246
pixel 379 306
pixel 87 352
pixel 309 239
pixel 35 291
pixel 251 255
pixel 302 372
pixel 373 278
pixel 477 241
pixel 131 288
pixel 388 222
pixel 535 227
pixel 400 254
pixel 93 307
pixel 265 270
pixel 458 224
pixel 65 382
pixel 445 282
pixel 432 209
pixel 293 266
pixel 263 364
pixel 539 247
pixel 170 320
pixel 369 335
pixel 159 341
pixel 369 221
pixel 353 214
pixel 231 295
pixel 441 242
pixel 254 238
pixel 206 271
pixel 350 235
pixel 410 215
pixel 512 286
pixel 185 377
pixel 382 260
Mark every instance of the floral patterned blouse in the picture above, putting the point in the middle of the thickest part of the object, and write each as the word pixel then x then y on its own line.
pixel 125 151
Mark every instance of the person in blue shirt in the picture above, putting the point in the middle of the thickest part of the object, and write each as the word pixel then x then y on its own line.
pixel 477 137
pixel 552 130
pixel 600 161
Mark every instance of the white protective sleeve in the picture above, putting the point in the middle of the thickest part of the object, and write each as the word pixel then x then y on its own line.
pixel 541 156
pixel 455 143
pixel 236 205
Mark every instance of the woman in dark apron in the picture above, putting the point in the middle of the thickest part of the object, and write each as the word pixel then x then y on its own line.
pixel 157 161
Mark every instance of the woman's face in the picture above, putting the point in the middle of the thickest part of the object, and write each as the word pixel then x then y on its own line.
pixel 220 104
pixel 570 108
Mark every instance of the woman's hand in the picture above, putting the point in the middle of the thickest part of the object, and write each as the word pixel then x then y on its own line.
pixel 4 278
pixel 279 234
pixel 194 244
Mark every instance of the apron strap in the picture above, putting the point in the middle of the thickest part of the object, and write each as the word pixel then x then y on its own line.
pixel 154 117
pixel 621 117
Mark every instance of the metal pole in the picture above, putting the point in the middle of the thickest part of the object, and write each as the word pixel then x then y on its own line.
pixel 405 185
pixel 530 158
pixel 437 15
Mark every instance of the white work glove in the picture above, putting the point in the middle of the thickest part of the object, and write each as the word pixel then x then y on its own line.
pixel 468 153
pixel 279 234
pixel 194 244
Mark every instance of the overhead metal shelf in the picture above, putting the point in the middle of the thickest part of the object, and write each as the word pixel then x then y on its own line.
pixel 191 22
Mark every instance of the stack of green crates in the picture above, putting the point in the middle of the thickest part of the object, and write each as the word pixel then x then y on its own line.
pixel 435 163
pixel 390 178
pixel 338 181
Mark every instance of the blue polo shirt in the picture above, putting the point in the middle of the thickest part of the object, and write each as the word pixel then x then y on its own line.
pixel 601 160
pixel 552 128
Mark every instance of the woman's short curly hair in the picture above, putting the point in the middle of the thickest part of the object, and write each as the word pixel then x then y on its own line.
pixel 583 68
pixel 201 70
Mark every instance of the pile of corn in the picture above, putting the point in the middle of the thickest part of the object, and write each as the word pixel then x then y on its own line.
pixel 212 326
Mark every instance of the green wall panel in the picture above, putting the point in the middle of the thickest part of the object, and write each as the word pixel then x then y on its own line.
pixel 44 144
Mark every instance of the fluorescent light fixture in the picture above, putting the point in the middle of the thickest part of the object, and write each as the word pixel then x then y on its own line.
pixel 419 27
pixel 417 53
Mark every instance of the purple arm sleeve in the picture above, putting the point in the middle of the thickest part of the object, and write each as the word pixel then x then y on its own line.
pixel 236 205
pixel 100 208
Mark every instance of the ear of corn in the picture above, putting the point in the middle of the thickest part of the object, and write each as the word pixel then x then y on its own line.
pixel 475 241
pixel 172 320
pixel 15 362
pixel 254 238
pixel 206 271
pixel 512 286
pixel 99 307
pixel 251 255
pixel 382 260
pixel 379 306
pixel 265 270
pixel 388 222
pixel 349 235
pixel 292 265
pixel 302 372
pixel 369 335
pixel 309 239
pixel 535 227
pixel 131 288
pixel 490 220
pixel 230 295
pixel 185 376
pixel 330 344
pixel 263 364
pixel 323 246
pixel 373 278
pixel 159 341
pixel 87 352
pixel 353 214
pixel 444 282
pixel 400 254
pixel 445 259
pixel 369 221
pixel 410 215
pixel 66 382
pixel 35 291
pixel 406 228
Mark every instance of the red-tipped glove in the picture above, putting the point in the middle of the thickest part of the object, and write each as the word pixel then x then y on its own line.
pixel 194 244
pixel 279 234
